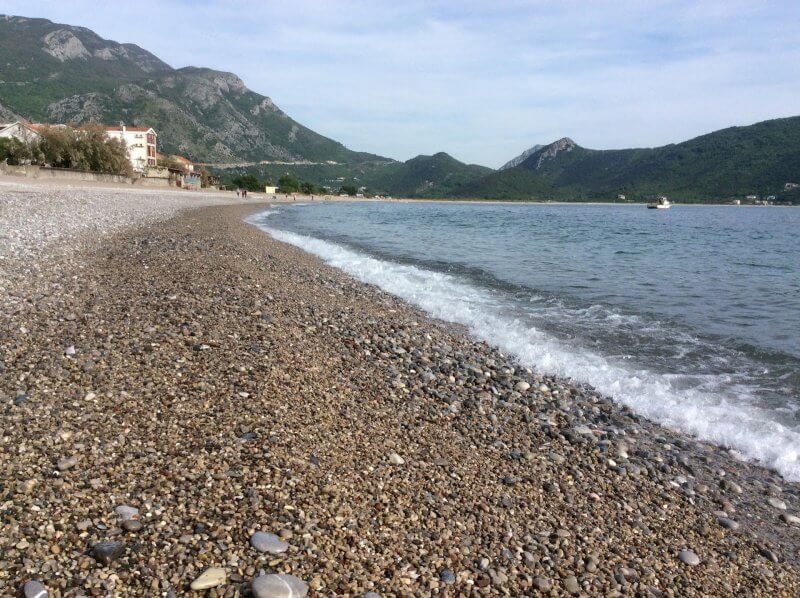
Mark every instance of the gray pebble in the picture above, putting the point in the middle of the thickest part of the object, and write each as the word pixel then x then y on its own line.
pixel 67 463
pixel 279 586
pixel 777 503
pixel 266 542
pixel 34 589
pixel 688 557
pixel 107 552
pixel 728 523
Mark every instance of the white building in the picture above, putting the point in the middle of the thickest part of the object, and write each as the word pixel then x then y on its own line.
pixel 141 144
pixel 19 130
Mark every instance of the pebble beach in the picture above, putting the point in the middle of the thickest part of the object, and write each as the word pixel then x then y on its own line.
pixel 190 407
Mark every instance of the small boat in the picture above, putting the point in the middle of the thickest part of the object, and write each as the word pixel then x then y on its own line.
pixel 661 204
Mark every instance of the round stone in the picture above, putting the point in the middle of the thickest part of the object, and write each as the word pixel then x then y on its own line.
pixel 790 519
pixel 67 463
pixel 132 525
pixel 447 576
pixel 728 523
pixel 210 578
pixel 34 589
pixel 777 503
pixel 265 542
pixel 107 552
pixel 126 512
pixel 396 459
pixel 521 386
pixel 279 586
pixel 688 557
pixel 571 585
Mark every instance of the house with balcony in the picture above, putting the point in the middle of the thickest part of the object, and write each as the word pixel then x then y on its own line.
pixel 141 144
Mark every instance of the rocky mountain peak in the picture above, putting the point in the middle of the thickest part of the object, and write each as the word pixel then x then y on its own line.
pixel 565 144
pixel 521 158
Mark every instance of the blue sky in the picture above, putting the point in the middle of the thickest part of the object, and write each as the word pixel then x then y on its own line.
pixel 480 80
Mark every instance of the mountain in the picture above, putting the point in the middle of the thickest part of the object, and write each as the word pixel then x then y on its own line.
pixel 438 175
pixel 521 158
pixel 59 73
pixel 757 159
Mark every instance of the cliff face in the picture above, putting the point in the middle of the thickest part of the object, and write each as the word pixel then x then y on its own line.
pixel 60 73
pixel 521 158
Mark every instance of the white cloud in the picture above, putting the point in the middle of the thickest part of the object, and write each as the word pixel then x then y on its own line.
pixel 481 81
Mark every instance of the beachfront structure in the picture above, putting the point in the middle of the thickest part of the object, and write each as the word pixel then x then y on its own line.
pixel 270 190
pixel 19 130
pixel 141 144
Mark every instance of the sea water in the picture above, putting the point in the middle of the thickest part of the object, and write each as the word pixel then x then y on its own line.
pixel 690 316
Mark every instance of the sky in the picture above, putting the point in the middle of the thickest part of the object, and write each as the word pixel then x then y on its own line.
pixel 481 80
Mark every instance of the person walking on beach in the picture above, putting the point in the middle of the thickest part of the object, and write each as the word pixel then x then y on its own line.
pixel 237 192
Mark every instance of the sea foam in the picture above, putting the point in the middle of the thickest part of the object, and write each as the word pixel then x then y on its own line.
pixel 698 410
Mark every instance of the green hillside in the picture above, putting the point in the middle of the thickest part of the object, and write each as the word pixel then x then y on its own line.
pixel 60 73
pixel 422 177
pixel 758 159
pixel 438 175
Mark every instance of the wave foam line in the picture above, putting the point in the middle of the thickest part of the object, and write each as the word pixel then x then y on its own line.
pixel 703 413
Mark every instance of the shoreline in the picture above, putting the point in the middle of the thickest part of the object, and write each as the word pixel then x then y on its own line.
pixel 222 382
pixel 11 180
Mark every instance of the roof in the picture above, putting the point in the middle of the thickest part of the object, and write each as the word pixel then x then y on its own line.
pixel 131 129
pixel 20 123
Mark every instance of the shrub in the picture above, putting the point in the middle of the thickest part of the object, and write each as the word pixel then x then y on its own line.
pixel 13 151
pixel 86 149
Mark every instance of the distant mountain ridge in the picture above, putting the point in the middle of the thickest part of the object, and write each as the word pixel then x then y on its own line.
pixel 433 176
pixel 758 159
pixel 51 72
pixel 60 73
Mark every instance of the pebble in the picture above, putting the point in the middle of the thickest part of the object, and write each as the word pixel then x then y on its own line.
pixel 768 554
pixel 210 578
pixel 67 463
pixel 396 459
pixel 34 589
pixel 126 512
pixel 132 525
pixel 571 585
pixel 790 519
pixel 447 576
pixel 266 542
pixel 279 586
pixel 521 386
pixel 543 584
pixel 777 503
pixel 688 557
pixel 728 523
pixel 107 552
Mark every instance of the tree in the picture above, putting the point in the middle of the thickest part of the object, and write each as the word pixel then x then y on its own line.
pixel 13 151
pixel 86 149
pixel 247 181
pixel 308 188
pixel 288 183
pixel 348 190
